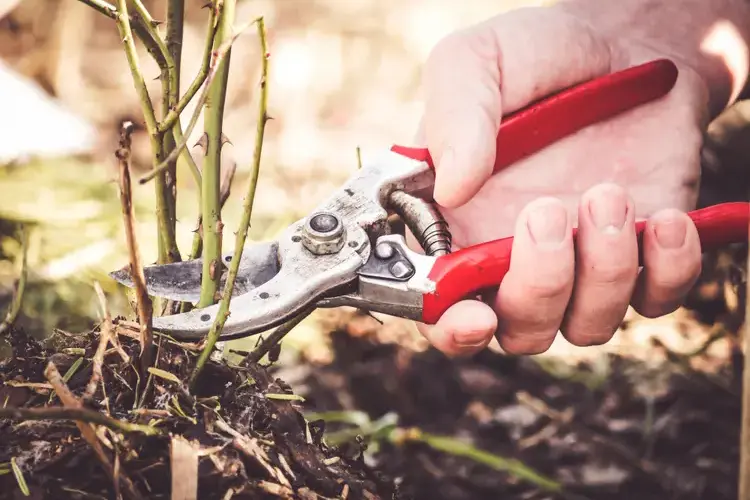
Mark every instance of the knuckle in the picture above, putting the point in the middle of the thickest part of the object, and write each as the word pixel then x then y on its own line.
pixel 552 288
pixel 614 272
pixel 475 41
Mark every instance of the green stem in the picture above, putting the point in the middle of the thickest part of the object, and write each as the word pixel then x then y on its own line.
pixel 20 287
pixel 200 78
pixel 175 22
pixel 164 143
pixel 123 25
pixel 211 182
pixel 223 312
pixel 143 33
pixel 158 51
pixel 218 56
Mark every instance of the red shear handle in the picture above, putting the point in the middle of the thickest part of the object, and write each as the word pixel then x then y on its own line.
pixel 540 124
pixel 468 271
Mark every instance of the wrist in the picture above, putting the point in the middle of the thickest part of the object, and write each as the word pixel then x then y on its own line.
pixel 711 38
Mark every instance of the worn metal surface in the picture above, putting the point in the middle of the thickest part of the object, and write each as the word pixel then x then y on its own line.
pixel 391 295
pixel 181 281
pixel 304 278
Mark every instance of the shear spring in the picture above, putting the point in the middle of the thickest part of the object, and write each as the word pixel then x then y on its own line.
pixel 424 221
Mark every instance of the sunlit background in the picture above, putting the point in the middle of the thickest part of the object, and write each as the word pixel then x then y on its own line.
pixel 344 73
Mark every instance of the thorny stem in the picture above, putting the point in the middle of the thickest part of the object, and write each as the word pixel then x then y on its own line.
pixel 200 78
pixel 153 43
pixel 141 30
pixel 175 22
pixel 162 144
pixel 226 188
pixel 78 415
pixel 218 56
pixel 123 25
pixel 145 308
pixel 20 285
pixel 197 246
pixel 212 226
pixel 223 312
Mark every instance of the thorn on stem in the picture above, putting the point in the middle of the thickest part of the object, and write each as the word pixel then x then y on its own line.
pixel 203 143
pixel 212 269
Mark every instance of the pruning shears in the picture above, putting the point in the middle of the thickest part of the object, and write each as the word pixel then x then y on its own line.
pixel 345 253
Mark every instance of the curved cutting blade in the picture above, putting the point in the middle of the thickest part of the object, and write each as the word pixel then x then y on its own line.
pixel 303 279
pixel 181 281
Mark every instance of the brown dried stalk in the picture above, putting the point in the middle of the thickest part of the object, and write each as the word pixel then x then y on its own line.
pixel 88 432
pixel 145 307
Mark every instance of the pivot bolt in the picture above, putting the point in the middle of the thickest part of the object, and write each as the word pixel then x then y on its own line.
pixel 384 251
pixel 324 223
pixel 323 234
pixel 401 269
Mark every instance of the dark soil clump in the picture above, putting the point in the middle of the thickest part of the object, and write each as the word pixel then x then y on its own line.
pixel 253 441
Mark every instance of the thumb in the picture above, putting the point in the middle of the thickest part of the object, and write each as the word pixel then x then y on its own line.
pixel 474 76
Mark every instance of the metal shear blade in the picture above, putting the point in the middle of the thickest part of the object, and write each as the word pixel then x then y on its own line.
pixel 181 281
pixel 314 257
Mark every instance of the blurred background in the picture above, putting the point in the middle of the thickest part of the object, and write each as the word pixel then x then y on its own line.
pixel 344 73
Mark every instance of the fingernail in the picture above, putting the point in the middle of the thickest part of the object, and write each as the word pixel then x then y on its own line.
pixel 469 338
pixel 608 206
pixel 670 229
pixel 548 222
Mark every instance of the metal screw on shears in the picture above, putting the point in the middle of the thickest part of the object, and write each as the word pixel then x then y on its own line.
pixel 323 234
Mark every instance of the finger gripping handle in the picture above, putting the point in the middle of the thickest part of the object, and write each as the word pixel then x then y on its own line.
pixel 544 122
pixel 468 271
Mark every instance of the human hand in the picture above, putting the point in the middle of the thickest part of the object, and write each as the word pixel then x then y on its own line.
pixel 644 164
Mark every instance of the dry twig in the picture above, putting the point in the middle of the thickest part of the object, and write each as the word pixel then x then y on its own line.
pixel 77 414
pixel 87 431
pixel 145 308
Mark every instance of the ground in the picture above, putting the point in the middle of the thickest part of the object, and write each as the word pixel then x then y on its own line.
pixel 388 420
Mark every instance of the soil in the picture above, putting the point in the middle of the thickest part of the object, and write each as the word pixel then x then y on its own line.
pixel 666 431
pixel 277 454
